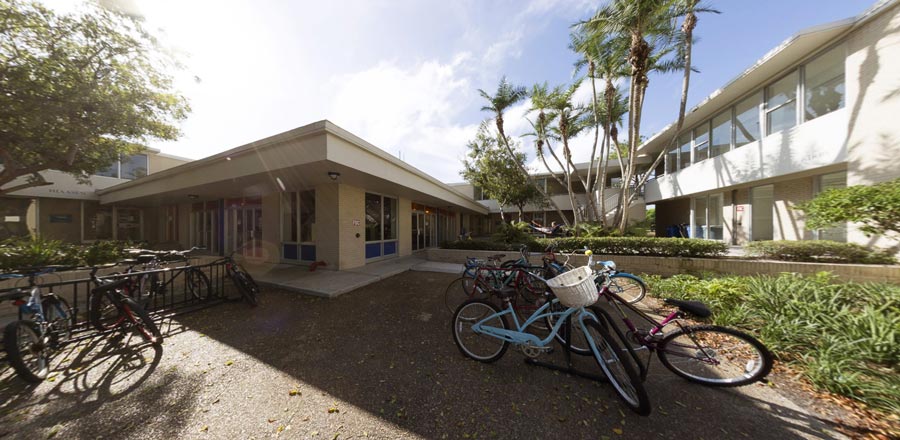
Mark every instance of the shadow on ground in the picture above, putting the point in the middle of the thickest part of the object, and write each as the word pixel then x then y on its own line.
pixel 379 362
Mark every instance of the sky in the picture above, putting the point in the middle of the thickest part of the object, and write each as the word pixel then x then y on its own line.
pixel 404 74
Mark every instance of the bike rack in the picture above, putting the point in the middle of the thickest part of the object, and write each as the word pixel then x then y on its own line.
pixel 567 348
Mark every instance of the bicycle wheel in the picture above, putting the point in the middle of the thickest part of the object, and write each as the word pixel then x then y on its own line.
pixel 244 286
pixel 26 350
pixel 480 347
pixel 715 356
pixel 102 311
pixel 142 321
pixel 631 288
pixel 198 284
pixel 618 369
pixel 461 290
pixel 579 341
pixel 59 318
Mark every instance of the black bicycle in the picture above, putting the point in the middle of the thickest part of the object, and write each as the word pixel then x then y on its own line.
pixel 111 307
pixel 151 285
pixel 241 278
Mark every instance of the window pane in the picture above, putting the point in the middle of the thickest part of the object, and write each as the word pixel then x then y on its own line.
pixel 390 219
pixel 715 231
pixel 825 83
pixel 699 218
pixel 721 134
pixel 373 217
pixel 781 104
pixel 307 215
pixel 129 224
pixel 672 161
pixel 746 121
pixel 684 151
pixel 134 166
pixel 701 143
pixel 111 171
pixel 289 216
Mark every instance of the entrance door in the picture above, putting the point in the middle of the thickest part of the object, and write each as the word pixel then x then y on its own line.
pixel 246 230
pixel 416 231
pixel 762 204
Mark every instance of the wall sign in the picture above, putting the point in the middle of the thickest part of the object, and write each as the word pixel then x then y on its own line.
pixel 60 218
pixel 12 219
pixel 356 223
pixel 740 208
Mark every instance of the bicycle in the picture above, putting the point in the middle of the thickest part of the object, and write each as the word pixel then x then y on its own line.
pixel 628 287
pixel 46 325
pixel 710 355
pixel 245 284
pixel 479 321
pixel 116 308
pixel 150 287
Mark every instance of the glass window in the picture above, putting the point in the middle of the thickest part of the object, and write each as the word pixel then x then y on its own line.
pixel 289 217
pixel 307 215
pixel 390 218
pixel 111 171
pixel 701 143
pixel 684 151
pixel 824 78
pixel 699 218
pixel 721 134
pixel 134 166
pixel 129 224
pixel 672 160
pixel 825 183
pixel 781 104
pixel 715 230
pixel 746 121
pixel 373 217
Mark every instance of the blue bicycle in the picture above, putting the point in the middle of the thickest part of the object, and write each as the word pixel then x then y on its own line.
pixel 482 331
pixel 46 324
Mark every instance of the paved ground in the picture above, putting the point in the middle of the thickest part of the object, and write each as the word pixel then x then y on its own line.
pixel 379 363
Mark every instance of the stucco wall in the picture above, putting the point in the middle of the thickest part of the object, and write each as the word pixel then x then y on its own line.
pixel 159 163
pixel 352 238
pixel 404 225
pixel 71 231
pixel 325 232
pixel 873 102
pixel 271 228
pixel 789 224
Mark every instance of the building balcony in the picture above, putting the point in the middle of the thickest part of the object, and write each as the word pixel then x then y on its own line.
pixel 816 144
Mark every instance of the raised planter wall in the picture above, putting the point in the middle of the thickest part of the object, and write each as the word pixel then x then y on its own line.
pixel 668 266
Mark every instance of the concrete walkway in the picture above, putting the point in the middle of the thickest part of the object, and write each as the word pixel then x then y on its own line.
pixel 331 283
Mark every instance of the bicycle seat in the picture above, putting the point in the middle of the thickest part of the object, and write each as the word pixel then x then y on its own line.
pixel 506 292
pixel 144 258
pixel 696 308
pixel 112 285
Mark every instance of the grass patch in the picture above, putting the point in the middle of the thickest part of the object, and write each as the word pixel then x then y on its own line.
pixel 844 337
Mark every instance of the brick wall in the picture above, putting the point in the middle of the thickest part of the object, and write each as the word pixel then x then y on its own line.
pixel 325 234
pixel 789 223
pixel 352 238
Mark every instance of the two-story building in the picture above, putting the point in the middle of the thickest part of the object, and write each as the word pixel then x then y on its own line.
pixel 819 111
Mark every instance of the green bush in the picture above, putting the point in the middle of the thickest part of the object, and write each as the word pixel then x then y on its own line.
pixel 844 337
pixel 819 251
pixel 650 246
pixel 475 245
pixel 513 233
pixel 19 252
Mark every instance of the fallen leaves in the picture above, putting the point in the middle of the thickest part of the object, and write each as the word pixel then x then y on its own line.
pixel 229 363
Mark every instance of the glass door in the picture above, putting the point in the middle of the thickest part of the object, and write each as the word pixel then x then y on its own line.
pixel 416 233
pixel 246 231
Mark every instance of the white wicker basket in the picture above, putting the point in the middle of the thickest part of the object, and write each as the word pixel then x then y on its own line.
pixel 575 288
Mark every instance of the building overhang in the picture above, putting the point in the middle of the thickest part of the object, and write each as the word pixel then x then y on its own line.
pixel 294 160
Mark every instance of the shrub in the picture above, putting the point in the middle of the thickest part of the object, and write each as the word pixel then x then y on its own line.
pixel 475 245
pixel 513 233
pixel 20 252
pixel 875 207
pixel 843 337
pixel 651 246
pixel 819 251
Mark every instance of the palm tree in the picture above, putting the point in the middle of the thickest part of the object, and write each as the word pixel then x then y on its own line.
pixel 568 125
pixel 505 97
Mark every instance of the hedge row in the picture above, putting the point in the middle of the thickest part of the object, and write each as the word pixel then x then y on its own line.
pixel 650 246
pixel 821 251
pixel 16 253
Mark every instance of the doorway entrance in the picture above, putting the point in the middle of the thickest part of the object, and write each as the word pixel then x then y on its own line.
pixel 424 233
pixel 245 230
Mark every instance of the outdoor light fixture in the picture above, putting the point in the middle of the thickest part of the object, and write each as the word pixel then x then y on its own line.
pixel 193 196
pixel 333 175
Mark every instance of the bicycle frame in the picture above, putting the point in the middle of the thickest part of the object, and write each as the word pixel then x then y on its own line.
pixel 519 336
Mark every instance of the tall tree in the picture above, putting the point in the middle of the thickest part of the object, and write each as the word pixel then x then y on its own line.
pixel 489 167
pixel 77 91
pixel 568 125
pixel 506 96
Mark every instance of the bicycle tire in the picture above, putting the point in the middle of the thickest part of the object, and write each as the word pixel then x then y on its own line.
pixel 459 291
pixel 245 289
pixel 629 287
pixel 59 317
pixel 198 284
pixel 102 311
pixel 467 315
pixel 618 370
pixel 579 345
pixel 697 351
pixel 22 340
pixel 142 321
